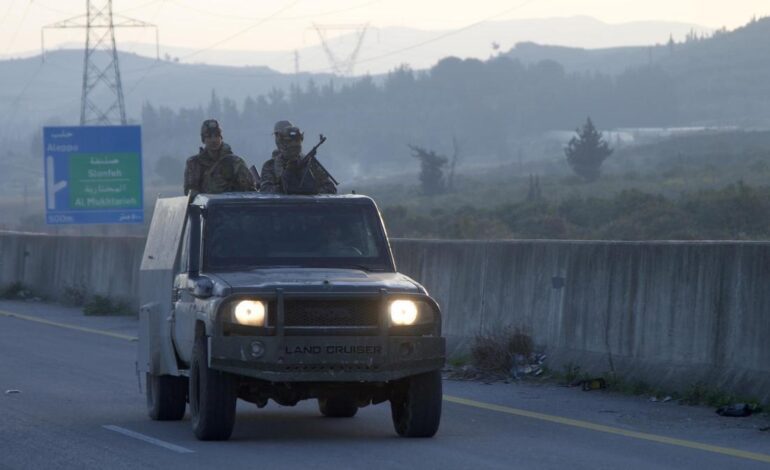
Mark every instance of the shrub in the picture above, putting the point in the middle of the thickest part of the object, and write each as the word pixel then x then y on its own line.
pixel 16 290
pixel 74 296
pixel 496 352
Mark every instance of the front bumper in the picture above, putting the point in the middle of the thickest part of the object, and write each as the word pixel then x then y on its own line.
pixel 327 358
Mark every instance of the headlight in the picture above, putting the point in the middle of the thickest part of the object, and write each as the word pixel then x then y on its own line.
pixel 250 312
pixel 403 312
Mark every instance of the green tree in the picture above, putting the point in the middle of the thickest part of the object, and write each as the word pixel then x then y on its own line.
pixel 587 151
pixel 431 169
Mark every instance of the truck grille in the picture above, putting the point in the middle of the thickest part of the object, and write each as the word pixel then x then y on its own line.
pixel 327 313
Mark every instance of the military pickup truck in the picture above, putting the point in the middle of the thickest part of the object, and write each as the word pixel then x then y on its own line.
pixel 286 298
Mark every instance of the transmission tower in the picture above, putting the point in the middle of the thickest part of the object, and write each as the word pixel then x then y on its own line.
pixel 101 69
pixel 342 65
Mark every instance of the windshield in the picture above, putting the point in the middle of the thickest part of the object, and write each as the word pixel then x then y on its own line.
pixel 305 235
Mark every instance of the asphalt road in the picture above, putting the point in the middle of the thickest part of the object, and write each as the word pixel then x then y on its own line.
pixel 78 406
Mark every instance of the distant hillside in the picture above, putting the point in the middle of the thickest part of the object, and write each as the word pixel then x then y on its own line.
pixel 386 48
pixel 720 80
pixel 612 61
pixel 492 108
pixel 35 91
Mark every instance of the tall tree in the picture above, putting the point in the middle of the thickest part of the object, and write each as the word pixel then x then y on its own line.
pixel 431 169
pixel 214 109
pixel 587 151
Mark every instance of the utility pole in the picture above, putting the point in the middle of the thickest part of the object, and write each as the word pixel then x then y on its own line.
pixel 296 62
pixel 101 69
pixel 342 65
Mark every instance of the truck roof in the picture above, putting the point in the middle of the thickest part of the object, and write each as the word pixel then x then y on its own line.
pixel 205 200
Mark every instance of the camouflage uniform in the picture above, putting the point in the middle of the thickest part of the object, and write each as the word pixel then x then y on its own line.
pixel 218 173
pixel 286 155
pixel 274 168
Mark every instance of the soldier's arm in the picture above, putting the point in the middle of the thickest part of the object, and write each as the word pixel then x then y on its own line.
pixel 243 179
pixel 269 183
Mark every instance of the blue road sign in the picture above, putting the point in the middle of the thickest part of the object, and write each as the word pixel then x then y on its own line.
pixel 93 175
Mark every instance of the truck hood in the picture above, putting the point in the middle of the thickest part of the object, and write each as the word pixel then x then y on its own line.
pixel 315 278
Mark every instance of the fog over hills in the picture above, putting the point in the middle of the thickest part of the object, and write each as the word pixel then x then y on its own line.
pixel 386 48
pixel 34 91
pixel 501 111
pixel 719 80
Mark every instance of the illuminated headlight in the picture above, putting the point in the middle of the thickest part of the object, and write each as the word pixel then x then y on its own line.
pixel 250 312
pixel 403 312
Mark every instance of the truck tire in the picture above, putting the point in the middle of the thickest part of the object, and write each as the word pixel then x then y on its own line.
pixel 166 397
pixel 337 407
pixel 416 405
pixel 212 397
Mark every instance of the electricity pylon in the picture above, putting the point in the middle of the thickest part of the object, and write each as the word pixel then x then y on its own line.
pixel 101 69
pixel 342 65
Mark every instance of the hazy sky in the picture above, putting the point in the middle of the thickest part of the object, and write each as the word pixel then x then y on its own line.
pixel 284 24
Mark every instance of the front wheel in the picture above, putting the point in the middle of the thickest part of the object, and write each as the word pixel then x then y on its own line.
pixel 213 396
pixel 166 397
pixel 416 405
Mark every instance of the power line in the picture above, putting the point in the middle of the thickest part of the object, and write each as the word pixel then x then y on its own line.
pixel 243 31
pixel 100 27
pixel 18 27
pixel 285 18
pixel 432 40
pixel 17 100
pixel 342 65
pixel 445 35
pixel 7 12
pixel 331 68
pixel 143 5
pixel 55 10
pixel 194 53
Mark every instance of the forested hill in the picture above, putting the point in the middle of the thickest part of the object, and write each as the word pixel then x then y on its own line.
pixel 721 79
pixel 36 90
pixel 492 106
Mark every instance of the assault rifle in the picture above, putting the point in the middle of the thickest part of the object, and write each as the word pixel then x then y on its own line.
pixel 255 176
pixel 310 157
pixel 299 175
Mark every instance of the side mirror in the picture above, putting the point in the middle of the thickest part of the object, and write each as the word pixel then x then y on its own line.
pixel 202 287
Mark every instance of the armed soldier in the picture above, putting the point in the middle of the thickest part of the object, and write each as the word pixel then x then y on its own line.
pixel 291 172
pixel 215 169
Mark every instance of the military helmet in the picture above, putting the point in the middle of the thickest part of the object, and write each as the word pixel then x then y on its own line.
pixel 281 126
pixel 286 133
pixel 210 127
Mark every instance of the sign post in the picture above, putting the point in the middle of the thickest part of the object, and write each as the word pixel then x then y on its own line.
pixel 93 175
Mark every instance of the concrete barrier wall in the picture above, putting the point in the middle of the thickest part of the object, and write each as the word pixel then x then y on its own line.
pixel 49 265
pixel 668 313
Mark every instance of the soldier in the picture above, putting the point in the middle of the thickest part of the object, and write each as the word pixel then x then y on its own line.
pixel 215 169
pixel 288 139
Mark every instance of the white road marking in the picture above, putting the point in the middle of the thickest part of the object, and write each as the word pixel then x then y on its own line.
pixel 148 439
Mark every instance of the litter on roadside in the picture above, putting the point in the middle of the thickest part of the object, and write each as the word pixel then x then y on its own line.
pixel 665 399
pixel 737 410
pixel 587 385
pixel 594 384
pixel 529 365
